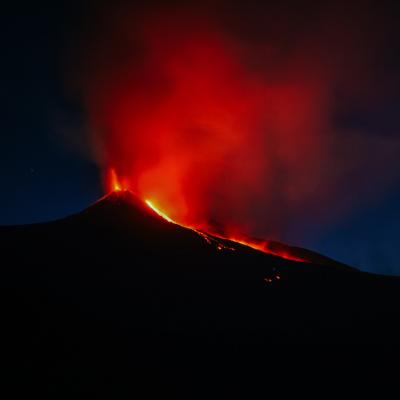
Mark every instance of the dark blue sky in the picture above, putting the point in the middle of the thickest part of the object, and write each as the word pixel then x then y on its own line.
pixel 44 177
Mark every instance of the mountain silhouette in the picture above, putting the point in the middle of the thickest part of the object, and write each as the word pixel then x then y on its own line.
pixel 108 300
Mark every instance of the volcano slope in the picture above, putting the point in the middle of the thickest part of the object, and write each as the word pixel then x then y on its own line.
pixel 88 299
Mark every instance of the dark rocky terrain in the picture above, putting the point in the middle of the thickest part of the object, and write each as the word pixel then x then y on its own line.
pixel 115 300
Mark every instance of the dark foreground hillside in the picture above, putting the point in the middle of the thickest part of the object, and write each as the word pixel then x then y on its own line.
pixel 116 300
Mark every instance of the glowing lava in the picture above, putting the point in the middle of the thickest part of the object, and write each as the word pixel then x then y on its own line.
pixel 263 246
pixel 209 239
pixel 157 211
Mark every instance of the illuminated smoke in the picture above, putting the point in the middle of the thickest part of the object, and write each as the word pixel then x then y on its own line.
pixel 228 133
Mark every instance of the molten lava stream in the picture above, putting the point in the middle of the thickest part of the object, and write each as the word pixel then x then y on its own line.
pixel 260 246
pixel 161 214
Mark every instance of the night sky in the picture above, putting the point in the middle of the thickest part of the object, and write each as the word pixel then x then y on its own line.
pixel 47 171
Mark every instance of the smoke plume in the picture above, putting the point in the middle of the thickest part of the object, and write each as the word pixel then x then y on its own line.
pixel 235 118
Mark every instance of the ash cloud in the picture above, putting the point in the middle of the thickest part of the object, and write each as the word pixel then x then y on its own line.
pixel 241 117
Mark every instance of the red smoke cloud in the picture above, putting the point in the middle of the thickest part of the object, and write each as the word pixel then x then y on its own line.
pixel 219 134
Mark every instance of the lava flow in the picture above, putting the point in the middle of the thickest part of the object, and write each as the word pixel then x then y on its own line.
pixel 209 239
pixel 157 211
pixel 260 245
pixel 212 239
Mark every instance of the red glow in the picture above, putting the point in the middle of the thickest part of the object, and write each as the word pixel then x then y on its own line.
pixel 231 123
pixel 187 127
pixel 225 138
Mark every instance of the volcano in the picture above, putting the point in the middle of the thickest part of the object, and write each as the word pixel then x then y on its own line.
pixel 107 300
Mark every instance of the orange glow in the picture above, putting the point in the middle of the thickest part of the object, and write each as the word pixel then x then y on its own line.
pixel 114 182
pixel 160 213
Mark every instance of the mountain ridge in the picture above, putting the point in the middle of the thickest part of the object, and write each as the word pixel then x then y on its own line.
pixel 115 288
pixel 127 199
